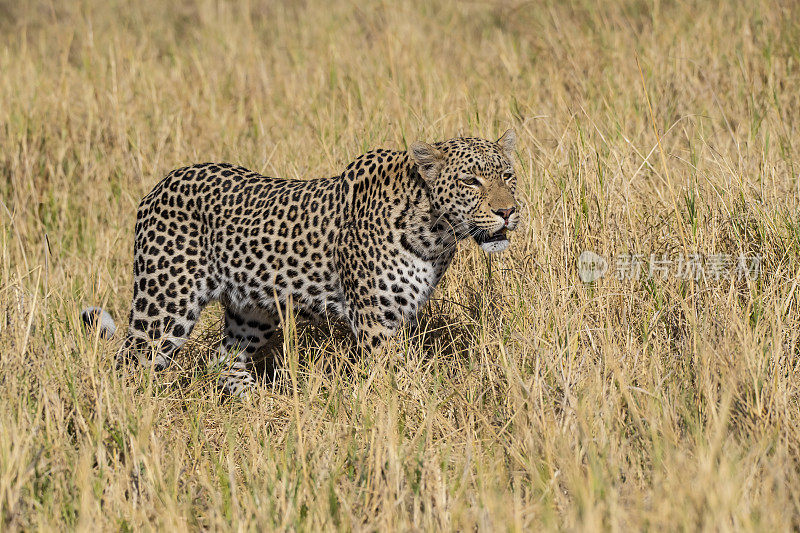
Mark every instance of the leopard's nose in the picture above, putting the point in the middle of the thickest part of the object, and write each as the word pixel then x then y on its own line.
pixel 505 213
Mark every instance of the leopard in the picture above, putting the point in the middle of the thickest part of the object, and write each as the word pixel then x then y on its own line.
pixel 366 247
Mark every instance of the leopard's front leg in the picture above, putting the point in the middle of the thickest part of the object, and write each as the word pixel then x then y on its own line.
pixel 382 292
pixel 371 329
pixel 373 318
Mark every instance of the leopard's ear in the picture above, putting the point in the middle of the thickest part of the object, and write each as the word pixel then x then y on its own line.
pixel 429 159
pixel 507 143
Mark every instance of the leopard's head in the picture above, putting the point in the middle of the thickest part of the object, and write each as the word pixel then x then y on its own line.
pixel 472 185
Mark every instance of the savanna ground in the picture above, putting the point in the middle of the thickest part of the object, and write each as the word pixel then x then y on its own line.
pixel 533 399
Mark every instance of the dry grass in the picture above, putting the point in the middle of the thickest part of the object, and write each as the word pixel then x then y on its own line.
pixel 535 400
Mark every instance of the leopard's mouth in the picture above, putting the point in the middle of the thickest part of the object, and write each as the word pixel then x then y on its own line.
pixel 482 237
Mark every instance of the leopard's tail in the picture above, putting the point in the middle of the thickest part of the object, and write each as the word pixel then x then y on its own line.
pixel 96 317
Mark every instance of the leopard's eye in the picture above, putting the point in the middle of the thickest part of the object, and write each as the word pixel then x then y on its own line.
pixel 472 181
pixel 508 174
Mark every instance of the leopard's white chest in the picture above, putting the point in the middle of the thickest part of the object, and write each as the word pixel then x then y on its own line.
pixel 422 278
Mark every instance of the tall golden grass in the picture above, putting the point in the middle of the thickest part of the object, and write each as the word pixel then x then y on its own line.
pixel 532 400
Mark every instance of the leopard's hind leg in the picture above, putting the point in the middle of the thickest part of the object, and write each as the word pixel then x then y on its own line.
pixel 246 331
pixel 159 326
pixel 168 296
